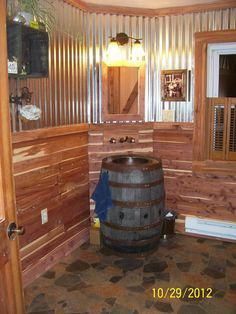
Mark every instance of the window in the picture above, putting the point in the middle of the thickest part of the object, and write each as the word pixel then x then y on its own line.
pixel 227 75
pixel 221 61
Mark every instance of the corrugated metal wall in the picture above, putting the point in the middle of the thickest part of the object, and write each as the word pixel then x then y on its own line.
pixel 168 43
pixel 73 91
pixel 63 96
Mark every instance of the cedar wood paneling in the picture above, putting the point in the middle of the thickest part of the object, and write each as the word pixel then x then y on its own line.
pixel 56 172
pixel 188 193
pixel 51 172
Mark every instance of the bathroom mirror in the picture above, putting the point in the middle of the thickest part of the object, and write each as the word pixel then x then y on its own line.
pixel 123 93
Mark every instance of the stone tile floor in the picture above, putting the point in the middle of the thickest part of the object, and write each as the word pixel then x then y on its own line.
pixel 91 280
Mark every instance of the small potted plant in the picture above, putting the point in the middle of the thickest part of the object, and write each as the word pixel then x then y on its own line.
pixel 32 12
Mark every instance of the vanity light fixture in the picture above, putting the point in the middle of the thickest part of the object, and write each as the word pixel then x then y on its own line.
pixel 115 51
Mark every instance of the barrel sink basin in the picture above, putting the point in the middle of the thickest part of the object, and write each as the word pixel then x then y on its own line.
pixel 130 162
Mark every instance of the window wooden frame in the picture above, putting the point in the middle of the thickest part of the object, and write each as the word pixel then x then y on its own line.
pixel 201 161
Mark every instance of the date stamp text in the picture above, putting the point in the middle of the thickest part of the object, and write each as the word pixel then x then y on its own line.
pixel 179 293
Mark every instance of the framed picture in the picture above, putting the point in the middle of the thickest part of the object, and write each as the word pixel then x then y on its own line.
pixel 173 85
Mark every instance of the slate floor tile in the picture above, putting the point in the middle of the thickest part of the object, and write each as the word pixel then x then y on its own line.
pixel 95 281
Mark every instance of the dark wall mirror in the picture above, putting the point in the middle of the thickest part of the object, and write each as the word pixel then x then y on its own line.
pixel 123 93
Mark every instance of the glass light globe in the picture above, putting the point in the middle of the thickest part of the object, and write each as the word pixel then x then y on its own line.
pixel 137 51
pixel 113 51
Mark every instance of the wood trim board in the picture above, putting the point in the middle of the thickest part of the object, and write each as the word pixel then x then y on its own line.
pixel 131 11
pixel 11 292
pixel 37 134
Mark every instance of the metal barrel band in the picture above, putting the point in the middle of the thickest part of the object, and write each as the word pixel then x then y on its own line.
pixel 134 243
pixel 125 228
pixel 135 185
pixel 144 204
pixel 122 168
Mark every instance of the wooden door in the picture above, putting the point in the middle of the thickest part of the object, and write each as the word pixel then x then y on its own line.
pixel 11 295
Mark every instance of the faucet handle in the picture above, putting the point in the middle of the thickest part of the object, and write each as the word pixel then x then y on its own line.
pixel 112 140
pixel 131 140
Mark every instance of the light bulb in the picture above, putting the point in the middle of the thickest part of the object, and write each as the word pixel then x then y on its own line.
pixel 137 51
pixel 113 51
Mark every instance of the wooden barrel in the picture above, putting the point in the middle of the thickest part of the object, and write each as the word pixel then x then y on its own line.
pixel 134 222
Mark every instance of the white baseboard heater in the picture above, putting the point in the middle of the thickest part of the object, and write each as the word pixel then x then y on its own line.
pixel 211 227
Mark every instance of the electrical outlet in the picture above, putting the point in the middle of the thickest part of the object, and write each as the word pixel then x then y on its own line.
pixel 44 216
pixel 168 115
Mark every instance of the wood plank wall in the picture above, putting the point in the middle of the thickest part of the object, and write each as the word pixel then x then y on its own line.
pixel 100 147
pixel 54 169
pixel 51 171
pixel 202 195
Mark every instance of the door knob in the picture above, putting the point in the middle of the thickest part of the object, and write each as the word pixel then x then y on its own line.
pixel 13 231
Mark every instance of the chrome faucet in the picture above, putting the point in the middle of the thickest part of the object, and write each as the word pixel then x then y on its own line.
pixel 123 139
pixel 128 139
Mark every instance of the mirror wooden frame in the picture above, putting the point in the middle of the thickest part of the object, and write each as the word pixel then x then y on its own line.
pixel 106 116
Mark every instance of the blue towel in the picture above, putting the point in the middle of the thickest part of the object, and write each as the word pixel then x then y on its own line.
pixel 102 197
